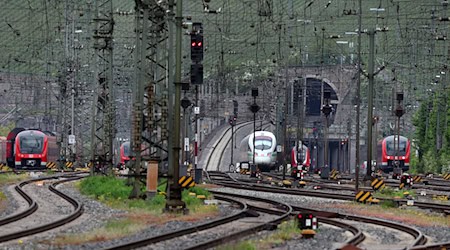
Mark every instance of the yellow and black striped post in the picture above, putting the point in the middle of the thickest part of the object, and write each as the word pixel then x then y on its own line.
pixel 363 196
pixel 69 164
pixel 4 167
pixel 378 184
pixel 334 174
pixel 447 176
pixel 186 181
pixel 51 165
pixel 417 179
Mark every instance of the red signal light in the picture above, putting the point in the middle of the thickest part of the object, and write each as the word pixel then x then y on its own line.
pixel 199 44
pixel 193 44
pixel 310 216
pixel 299 216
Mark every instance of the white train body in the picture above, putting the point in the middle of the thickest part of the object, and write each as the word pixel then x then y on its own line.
pixel 265 149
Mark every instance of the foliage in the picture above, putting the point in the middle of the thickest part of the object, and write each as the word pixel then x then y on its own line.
pixel 245 245
pixel 388 204
pixel 105 187
pixel 432 135
pixel 114 192
pixel 11 178
pixel 287 230
pixel 4 130
pixel 391 193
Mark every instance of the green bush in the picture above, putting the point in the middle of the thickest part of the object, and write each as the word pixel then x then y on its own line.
pixel 200 191
pixel 105 187
pixel 388 204
pixel 115 192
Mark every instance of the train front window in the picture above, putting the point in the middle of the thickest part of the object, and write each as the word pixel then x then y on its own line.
pixel 31 145
pixel 263 144
pixel 126 149
pixel 393 147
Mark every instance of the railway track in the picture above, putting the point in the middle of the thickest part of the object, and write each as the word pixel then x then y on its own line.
pixel 225 229
pixel 334 219
pixel 15 222
pixel 442 208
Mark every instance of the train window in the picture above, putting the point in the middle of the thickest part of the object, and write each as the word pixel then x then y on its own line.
pixel 31 145
pixel 263 144
pixel 392 147
pixel 126 149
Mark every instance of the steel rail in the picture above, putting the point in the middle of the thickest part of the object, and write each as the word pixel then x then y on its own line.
pixel 443 208
pixel 282 216
pixel 214 147
pixel 167 236
pixel 33 206
pixel 38 229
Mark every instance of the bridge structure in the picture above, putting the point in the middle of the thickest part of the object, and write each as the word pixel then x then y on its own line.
pixel 304 88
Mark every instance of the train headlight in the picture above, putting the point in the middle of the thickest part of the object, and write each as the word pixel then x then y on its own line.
pixel 403 158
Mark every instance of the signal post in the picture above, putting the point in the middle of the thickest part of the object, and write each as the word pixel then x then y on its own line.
pixel 196 79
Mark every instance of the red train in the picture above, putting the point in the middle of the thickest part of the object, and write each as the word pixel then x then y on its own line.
pixel 124 154
pixel 304 154
pixel 28 149
pixel 393 151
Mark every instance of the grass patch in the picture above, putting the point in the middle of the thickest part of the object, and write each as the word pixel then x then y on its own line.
pixel 392 193
pixel 388 204
pixel 6 179
pixel 409 216
pixel 141 213
pixel 113 229
pixel 286 231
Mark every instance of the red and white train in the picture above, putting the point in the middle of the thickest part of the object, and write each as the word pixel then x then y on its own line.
pixel 393 151
pixel 300 152
pixel 124 154
pixel 28 149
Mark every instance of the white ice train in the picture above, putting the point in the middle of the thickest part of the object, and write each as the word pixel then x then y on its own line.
pixel 265 150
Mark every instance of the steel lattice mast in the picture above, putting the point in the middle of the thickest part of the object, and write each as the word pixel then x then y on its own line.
pixel 102 127
pixel 150 99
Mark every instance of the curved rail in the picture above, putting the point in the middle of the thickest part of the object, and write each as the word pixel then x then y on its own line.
pixel 193 229
pixel 33 206
pixel 420 239
pixel 240 184
pixel 208 162
pixel 77 213
pixel 282 215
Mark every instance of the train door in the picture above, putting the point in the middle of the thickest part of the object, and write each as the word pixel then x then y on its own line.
pixel 10 148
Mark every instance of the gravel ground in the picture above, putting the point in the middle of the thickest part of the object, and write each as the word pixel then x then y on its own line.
pixel 13 204
pixel 434 233
pixel 96 215
pixel 327 237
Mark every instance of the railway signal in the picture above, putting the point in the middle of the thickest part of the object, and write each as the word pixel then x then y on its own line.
pixel 197 53
pixel 196 73
pixel 197 44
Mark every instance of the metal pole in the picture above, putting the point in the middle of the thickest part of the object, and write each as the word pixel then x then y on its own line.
pixel 186 157
pixel 357 98
pixel 254 137
pixel 285 128
pixel 174 202
pixel 370 103
pixel 325 153
pixel 232 143
pixel 196 143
